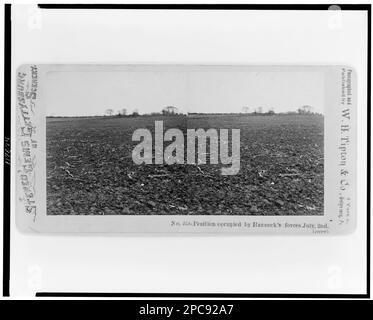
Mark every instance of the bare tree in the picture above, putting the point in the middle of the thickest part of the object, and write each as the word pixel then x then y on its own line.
pixel 123 112
pixel 109 112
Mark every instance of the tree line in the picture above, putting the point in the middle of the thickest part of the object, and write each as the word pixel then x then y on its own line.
pixel 172 110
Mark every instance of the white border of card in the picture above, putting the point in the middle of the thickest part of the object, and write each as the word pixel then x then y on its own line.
pixel 339 164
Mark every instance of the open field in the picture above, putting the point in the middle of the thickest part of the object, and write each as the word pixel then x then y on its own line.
pixel 90 168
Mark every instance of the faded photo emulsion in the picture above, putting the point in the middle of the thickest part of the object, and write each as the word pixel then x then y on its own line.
pixel 185 142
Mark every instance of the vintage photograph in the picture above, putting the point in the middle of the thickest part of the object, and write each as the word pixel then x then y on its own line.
pixel 176 141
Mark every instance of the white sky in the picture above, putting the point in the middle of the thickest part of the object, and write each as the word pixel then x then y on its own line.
pixel 91 93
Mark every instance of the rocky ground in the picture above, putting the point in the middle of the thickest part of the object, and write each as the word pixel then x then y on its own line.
pixel 90 169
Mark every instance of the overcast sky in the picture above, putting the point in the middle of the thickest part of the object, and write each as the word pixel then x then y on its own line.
pixel 91 93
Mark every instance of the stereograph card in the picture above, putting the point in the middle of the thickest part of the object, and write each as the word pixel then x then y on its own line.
pixel 186 149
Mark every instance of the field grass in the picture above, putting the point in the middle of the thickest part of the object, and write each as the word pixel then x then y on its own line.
pixel 90 168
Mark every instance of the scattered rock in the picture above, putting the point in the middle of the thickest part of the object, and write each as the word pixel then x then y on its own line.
pixel 108 211
pixel 125 210
pixel 279 203
pixel 152 203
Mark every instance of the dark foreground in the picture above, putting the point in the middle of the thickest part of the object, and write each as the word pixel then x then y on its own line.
pixel 90 169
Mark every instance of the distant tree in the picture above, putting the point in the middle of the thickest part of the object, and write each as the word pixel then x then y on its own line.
pixel 109 112
pixel 271 112
pixel 306 109
pixel 123 112
pixel 169 110
pixel 135 112
pixel 260 110
pixel 245 109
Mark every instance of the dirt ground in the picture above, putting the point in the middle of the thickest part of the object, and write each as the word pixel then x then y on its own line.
pixel 90 168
